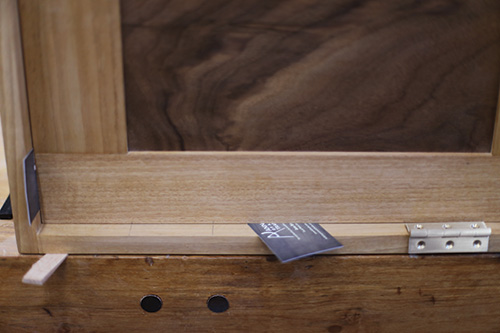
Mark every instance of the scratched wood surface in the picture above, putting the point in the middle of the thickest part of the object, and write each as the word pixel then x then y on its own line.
pixel 320 294
pixel 311 75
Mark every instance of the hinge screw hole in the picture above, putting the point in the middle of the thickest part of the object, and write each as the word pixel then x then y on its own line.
pixel 419 226
pixel 477 244
pixel 449 245
pixel 475 226
pixel 421 245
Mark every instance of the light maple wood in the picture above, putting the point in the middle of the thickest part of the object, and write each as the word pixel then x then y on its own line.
pixel 322 294
pixel 43 269
pixel 206 239
pixel 273 187
pixel 74 75
pixel 15 121
pixel 234 239
pixel 4 180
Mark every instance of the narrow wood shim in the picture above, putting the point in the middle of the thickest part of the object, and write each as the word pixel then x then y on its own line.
pixel 184 187
pixel 15 121
pixel 44 268
pixel 74 75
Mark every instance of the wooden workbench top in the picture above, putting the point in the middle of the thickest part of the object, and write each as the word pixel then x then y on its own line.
pixel 319 294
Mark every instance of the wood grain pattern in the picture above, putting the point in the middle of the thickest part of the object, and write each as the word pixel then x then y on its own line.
pixel 216 239
pixel 206 239
pixel 8 245
pixel 74 75
pixel 15 121
pixel 4 180
pixel 495 149
pixel 188 187
pixel 311 75
pixel 322 294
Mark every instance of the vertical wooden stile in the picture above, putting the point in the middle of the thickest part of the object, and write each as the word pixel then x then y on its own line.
pixel 74 72
pixel 15 122
pixel 495 145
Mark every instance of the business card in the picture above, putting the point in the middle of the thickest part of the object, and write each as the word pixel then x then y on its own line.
pixel 291 241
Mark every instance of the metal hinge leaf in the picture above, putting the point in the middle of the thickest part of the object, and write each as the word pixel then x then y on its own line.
pixel 455 237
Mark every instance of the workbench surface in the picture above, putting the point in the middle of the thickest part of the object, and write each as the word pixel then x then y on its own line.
pixel 324 293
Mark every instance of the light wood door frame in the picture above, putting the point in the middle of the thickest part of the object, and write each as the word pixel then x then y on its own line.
pixel 98 198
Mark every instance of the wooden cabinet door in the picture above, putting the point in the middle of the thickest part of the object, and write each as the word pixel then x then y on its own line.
pixel 167 126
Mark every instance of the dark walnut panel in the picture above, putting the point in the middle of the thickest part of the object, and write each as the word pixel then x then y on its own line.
pixel 311 75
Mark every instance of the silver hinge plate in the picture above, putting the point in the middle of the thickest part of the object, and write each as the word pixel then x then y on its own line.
pixel 455 237
pixel 31 186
